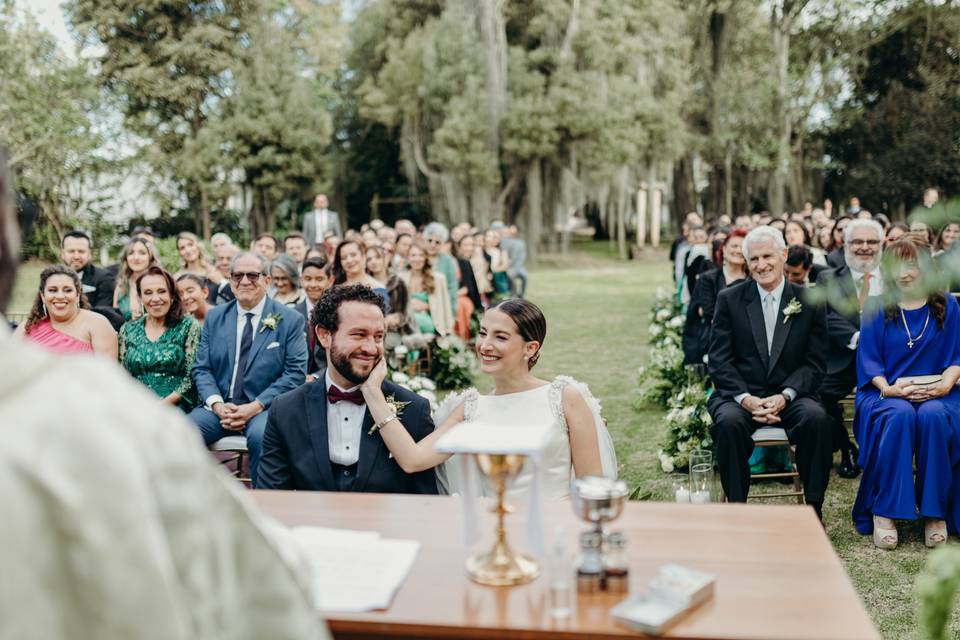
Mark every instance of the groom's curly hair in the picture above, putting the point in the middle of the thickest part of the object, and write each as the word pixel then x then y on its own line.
pixel 326 313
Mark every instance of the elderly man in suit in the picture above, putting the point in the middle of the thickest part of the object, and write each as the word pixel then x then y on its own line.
pixel 251 350
pixel 847 289
pixel 766 361
pixel 321 220
pixel 321 437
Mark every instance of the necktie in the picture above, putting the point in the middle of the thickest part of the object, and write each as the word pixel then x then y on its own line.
pixel 335 395
pixel 864 289
pixel 246 341
pixel 769 319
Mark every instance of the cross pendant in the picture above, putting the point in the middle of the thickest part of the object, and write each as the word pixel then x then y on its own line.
pixel 910 343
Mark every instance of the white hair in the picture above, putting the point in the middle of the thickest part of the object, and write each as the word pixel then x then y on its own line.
pixel 221 234
pixel 436 230
pixel 861 223
pixel 763 232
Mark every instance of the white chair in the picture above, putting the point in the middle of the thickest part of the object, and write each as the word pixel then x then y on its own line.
pixel 237 446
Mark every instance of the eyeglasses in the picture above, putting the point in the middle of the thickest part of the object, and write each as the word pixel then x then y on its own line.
pixel 864 243
pixel 252 276
pixel 433 241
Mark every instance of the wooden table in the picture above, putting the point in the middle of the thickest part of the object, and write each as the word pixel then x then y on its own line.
pixel 777 575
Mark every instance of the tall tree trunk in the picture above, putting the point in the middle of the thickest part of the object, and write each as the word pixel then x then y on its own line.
pixel 783 15
pixel 205 211
pixel 533 223
pixel 684 191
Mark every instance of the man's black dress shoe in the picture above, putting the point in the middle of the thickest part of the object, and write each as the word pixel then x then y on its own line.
pixel 848 463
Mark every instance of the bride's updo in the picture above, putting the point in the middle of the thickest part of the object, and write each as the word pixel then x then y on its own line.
pixel 530 322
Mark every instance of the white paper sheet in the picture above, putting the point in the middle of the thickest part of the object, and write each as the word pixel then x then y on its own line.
pixel 355 570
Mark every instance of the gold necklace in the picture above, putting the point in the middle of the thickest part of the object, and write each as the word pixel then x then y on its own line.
pixel 911 339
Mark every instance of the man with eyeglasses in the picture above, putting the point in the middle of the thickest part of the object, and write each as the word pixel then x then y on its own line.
pixel 251 350
pixel 848 288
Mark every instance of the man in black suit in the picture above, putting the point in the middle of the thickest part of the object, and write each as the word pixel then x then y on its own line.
pixel 76 251
pixel 320 437
pixel 766 360
pixel 847 290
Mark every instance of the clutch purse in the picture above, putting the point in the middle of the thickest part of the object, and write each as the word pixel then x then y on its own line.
pixel 920 381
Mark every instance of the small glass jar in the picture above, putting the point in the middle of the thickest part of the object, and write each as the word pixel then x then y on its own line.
pixel 616 568
pixel 590 564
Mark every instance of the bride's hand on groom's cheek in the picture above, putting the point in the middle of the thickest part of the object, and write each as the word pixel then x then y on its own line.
pixel 376 377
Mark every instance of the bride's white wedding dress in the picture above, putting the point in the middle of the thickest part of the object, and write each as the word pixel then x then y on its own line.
pixel 531 408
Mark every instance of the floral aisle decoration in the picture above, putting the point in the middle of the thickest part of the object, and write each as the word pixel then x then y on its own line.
pixel 421 385
pixel 688 427
pixel 664 372
pixel 666 320
pixel 453 363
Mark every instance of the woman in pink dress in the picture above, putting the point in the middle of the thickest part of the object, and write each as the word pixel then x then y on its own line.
pixel 60 320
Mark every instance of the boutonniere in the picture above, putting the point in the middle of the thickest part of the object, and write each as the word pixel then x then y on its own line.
pixel 396 406
pixel 270 322
pixel 793 308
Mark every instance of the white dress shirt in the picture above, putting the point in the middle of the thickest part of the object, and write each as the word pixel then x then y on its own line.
pixel 876 289
pixel 320 218
pixel 770 303
pixel 257 312
pixel 344 426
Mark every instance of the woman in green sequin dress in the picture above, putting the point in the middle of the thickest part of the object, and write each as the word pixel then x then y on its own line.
pixel 159 348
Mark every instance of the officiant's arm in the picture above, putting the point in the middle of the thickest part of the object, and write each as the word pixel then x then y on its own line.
pixel 584 447
pixel 412 456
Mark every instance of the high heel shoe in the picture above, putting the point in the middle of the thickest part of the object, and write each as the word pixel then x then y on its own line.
pixel 884 537
pixel 934 532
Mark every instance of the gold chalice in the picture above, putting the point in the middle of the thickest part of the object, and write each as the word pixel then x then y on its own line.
pixel 501 567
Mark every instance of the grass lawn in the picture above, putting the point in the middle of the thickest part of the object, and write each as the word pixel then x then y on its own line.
pixel 597 311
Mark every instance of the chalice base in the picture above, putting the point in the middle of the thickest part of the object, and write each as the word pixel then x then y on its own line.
pixel 496 570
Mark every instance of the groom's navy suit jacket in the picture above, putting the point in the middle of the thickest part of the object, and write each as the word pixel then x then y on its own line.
pixel 278 357
pixel 296 453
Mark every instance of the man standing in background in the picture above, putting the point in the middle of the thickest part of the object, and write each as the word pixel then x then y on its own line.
pixel 321 220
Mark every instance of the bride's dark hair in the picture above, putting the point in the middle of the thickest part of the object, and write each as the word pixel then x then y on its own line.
pixel 530 322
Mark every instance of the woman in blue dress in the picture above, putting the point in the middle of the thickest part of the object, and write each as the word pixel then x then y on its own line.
pixel 899 422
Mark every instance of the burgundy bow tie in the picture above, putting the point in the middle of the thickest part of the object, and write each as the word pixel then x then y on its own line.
pixel 334 395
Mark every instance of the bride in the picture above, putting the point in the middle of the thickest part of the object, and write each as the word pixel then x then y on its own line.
pixel 509 343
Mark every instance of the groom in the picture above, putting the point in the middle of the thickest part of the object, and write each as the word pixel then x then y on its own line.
pixel 767 359
pixel 318 437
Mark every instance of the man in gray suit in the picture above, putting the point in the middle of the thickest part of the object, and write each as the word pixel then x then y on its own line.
pixel 516 250
pixel 320 220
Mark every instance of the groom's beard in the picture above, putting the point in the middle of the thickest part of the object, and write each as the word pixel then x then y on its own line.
pixel 341 362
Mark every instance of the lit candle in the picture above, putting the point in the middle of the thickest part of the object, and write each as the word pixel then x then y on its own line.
pixel 682 495
pixel 700 497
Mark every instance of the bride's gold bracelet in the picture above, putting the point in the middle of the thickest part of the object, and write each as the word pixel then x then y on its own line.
pixel 381 424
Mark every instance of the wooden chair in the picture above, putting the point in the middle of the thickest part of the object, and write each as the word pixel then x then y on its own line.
pixel 847 405
pixel 777 437
pixel 236 447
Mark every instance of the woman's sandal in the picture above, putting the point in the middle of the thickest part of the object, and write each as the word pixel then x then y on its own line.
pixel 884 533
pixel 934 532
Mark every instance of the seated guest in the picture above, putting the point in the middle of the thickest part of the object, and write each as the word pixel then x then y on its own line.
pixel 468 295
pixel 221 292
pixel 377 265
pixel 321 437
pixel 137 256
pixel 315 280
pixel 499 260
pixel 350 267
pixel 60 320
pixel 76 252
pixel 896 231
pixel 481 266
pixel 218 240
pixel 731 268
pixel 847 290
pixel 429 302
pixel 435 237
pixel 285 275
pixel 921 231
pixel 193 297
pixel 159 348
pixel 251 351
pixel 400 249
pixel 691 262
pixel 267 245
pixel 796 233
pixel 295 246
pixel 766 359
pixel 836 256
pixel 799 265
pixel 900 424
pixel 194 260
